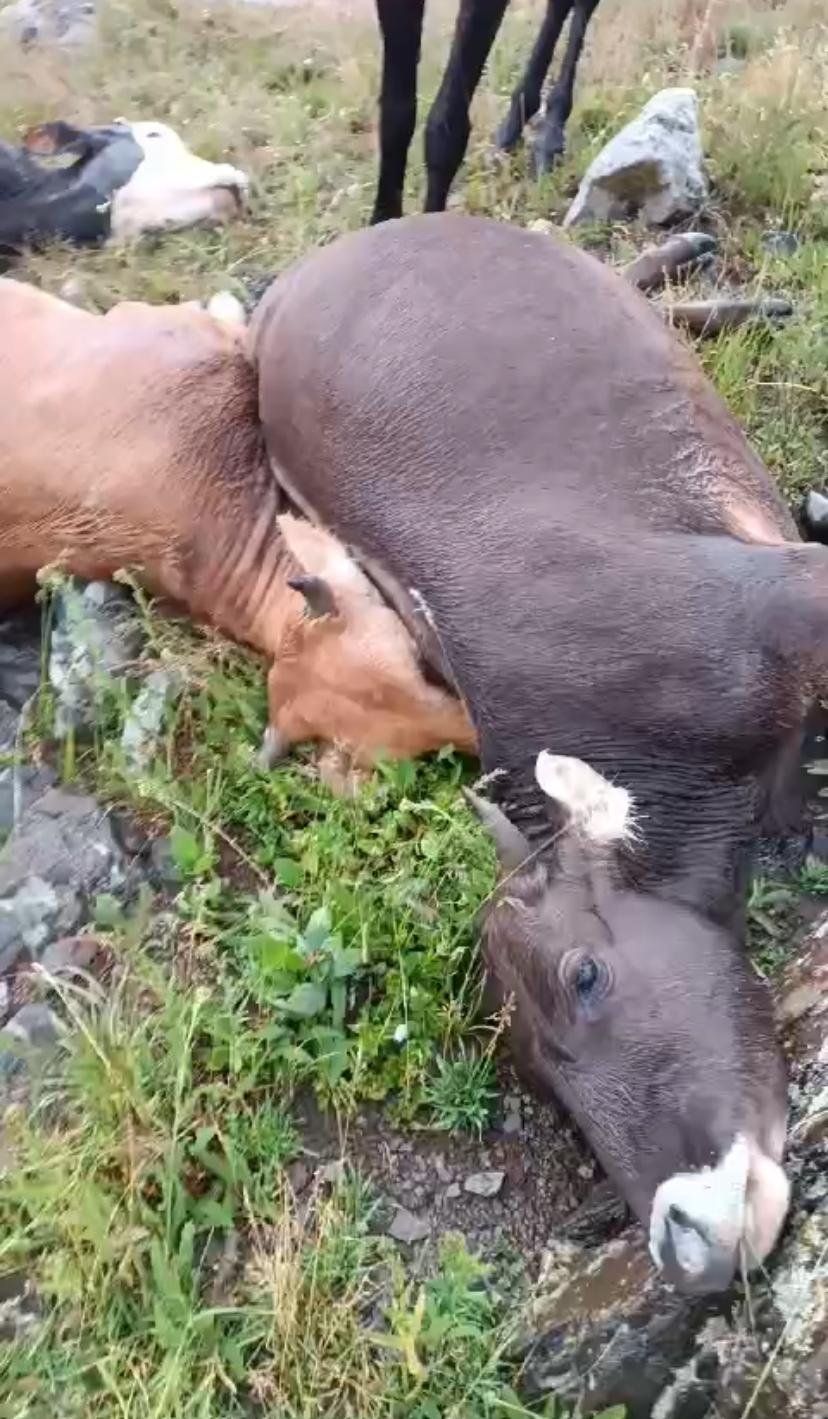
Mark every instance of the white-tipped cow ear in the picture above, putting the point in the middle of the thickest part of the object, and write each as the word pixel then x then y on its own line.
pixel 601 812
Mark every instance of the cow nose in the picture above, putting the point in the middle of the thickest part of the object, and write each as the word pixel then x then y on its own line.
pixel 692 1260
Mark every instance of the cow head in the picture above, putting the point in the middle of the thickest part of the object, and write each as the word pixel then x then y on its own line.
pixel 346 670
pixel 647 1021
pixel 173 187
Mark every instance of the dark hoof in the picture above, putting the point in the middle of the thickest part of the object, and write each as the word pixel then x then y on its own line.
pixel 510 132
pixel 547 149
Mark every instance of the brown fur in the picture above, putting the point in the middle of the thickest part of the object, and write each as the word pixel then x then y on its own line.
pixel 132 440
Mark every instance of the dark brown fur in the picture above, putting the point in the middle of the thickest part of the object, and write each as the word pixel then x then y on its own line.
pixel 503 425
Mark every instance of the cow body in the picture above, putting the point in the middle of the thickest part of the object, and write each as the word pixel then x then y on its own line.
pixel 577 529
pixel 132 440
pixel 126 179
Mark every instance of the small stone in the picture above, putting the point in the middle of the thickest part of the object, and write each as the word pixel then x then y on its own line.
pixel 73 291
pixel 5 998
pixel 781 243
pixel 298 1175
pixel 453 1190
pixel 333 1173
pixel 439 1164
pixel 408 1227
pixel 512 1115
pixel 484 1184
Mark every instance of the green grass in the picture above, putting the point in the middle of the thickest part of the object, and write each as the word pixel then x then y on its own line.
pixel 313 941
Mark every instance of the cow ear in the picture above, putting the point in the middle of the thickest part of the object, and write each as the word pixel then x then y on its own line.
pixel 47 139
pixel 600 811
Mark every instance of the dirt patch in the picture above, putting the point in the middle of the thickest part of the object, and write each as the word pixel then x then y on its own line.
pixel 538 1168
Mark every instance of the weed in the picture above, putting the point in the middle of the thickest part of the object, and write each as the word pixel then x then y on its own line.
pixel 461 1092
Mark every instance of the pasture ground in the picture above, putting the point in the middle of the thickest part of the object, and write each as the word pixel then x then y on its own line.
pixel 165 1193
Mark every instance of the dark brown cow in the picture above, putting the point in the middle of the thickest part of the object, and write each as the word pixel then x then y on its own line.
pixel 540 476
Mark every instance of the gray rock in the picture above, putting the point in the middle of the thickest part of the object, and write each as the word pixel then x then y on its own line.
pixel 407 1227
pixel 164 869
pixel 27 918
pixel 486 1184
pixel 34 1025
pixel 512 1115
pixel 146 716
pixel 815 516
pixel 20 648
pixel 333 1173
pixel 781 243
pixel 62 854
pixel 453 1190
pixel 298 1175
pixel 95 636
pixel 65 22
pixel 19 1311
pixel 653 167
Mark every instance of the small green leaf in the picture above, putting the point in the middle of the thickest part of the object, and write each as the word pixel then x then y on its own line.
pixel 305 1001
pixel 317 930
pixel 276 955
pixel 189 855
pixel 345 963
pixel 288 872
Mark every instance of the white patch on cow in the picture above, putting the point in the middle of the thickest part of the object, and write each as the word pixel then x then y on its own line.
pixel 227 308
pixel 172 187
pixel 735 1209
pixel 601 811
pixel 714 1202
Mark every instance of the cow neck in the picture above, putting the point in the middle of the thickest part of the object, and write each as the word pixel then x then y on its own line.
pixel 695 828
pixel 242 589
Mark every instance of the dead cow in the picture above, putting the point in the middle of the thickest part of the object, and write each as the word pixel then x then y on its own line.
pixel 126 179
pixel 510 438
pixel 132 439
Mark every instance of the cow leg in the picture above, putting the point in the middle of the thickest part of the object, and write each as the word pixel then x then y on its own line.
pixel 401 24
pixel 448 127
pixel 549 142
pixel 526 98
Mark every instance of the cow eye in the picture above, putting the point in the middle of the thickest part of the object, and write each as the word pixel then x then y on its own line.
pixel 590 980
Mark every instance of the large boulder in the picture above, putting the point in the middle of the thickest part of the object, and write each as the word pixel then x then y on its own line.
pixel 652 168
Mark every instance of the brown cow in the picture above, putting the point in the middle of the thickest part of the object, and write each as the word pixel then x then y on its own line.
pixel 132 439
pixel 501 425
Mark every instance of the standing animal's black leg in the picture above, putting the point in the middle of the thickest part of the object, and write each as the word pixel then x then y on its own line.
pixel 549 141
pixel 447 130
pixel 401 25
pixel 527 96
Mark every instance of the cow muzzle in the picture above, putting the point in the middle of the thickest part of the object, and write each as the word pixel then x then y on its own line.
pixel 708 1225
